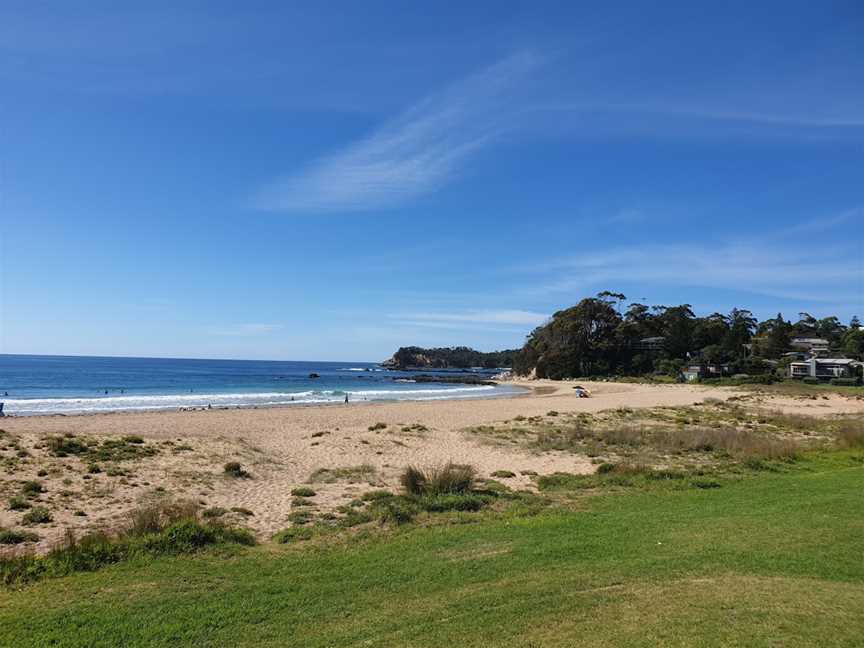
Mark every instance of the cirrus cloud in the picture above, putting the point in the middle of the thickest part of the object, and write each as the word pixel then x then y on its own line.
pixel 412 155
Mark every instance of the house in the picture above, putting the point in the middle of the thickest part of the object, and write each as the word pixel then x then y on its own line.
pixel 824 368
pixel 699 370
pixel 650 344
pixel 809 345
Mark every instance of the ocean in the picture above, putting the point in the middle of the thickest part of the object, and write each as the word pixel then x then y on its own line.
pixel 33 385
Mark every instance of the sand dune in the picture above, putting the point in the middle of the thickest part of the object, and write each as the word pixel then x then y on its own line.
pixel 282 447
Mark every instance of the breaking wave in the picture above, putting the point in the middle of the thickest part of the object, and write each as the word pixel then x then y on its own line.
pixel 36 406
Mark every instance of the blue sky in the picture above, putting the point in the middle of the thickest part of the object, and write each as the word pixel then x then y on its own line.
pixel 299 181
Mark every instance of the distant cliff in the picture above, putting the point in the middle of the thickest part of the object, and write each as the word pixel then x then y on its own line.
pixel 448 358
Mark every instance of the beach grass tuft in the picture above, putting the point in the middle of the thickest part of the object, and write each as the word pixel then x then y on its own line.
pixel 437 480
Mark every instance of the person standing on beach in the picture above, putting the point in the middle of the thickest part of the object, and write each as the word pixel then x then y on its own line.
pixel 346 399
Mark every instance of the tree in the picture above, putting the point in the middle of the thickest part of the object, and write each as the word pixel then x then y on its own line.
pixel 806 326
pixel 578 341
pixel 676 324
pixel 853 343
pixel 592 338
pixel 777 337
pixel 831 329
pixel 709 330
pixel 740 327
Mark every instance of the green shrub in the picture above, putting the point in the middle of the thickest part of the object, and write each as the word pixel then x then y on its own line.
pixel 846 382
pixel 505 474
pixel 12 537
pixel 94 469
pixel 663 474
pixel 161 528
pixel 395 509
pixel 214 512
pixel 604 468
pixel 353 517
pixel 293 534
pixel 32 488
pixel 440 503
pixel 125 449
pixel 234 469
pixel 301 517
pixel 153 518
pixel 37 515
pixel 755 463
pixel 810 380
pixel 705 483
pixel 303 491
pixel 18 503
pixel 375 495
pixel 185 536
pixel 64 446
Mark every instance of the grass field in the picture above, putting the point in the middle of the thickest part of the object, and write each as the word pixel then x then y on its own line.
pixel 776 559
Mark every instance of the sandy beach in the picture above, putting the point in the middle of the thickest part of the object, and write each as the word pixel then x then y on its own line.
pixel 283 447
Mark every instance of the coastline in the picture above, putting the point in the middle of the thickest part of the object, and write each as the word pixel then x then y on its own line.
pixel 284 447
pixel 525 390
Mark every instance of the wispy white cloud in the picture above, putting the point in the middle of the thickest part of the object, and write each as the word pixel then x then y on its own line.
pixel 824 223
pixel 246 330
pixel 690 109
pixel 802 271
pixel 472 317
pixel 412 155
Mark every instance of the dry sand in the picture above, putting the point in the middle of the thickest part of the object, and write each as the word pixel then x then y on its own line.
pixel 283 447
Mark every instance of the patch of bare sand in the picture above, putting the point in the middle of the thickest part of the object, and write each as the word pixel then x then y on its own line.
pixel 282 447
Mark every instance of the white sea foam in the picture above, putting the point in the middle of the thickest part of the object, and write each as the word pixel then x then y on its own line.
pixel 34 406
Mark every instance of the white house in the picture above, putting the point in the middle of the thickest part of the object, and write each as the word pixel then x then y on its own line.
pixel 824 368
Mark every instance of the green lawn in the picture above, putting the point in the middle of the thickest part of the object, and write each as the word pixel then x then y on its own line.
pixel 773 560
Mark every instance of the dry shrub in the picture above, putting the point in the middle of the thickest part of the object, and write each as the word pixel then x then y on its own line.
pixel 735 442
pixel 800 423
pixel 629 435
pixel 558 438
pixel 152 518
pixel 850 433
pixel 449 478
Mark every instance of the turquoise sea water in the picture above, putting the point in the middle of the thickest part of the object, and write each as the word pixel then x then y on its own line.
pixel 31 385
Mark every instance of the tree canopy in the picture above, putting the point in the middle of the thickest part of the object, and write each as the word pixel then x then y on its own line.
pixel 593 338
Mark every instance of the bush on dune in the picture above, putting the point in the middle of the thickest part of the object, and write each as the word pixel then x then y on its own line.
pixel 447 479
pixel 850 433
pixel 161 528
